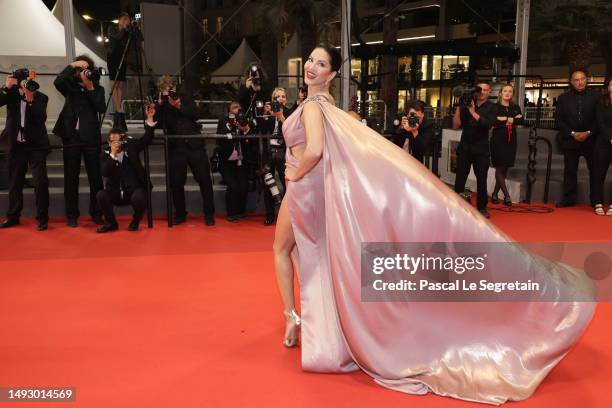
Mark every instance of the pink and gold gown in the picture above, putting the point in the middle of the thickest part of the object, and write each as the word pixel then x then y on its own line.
pixel 366 189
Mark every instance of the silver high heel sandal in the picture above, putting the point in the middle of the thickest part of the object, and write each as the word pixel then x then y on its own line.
pixel 292 330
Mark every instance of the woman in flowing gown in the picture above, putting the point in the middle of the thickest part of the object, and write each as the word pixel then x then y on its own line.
pixel 348 185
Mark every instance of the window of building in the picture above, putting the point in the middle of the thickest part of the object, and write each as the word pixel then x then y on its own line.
pixel 436 67
pixel 423 17
pixel 219 24
pixel 403 97
pixel 205 25
pixel 356 68
pixel 430 96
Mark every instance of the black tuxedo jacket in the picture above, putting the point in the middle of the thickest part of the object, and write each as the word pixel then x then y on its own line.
pixel 110 166
pixel 79 104
pixel 35 130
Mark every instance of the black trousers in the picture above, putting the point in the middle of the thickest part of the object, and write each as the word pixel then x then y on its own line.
pixel 19 160
pixel 109 198
pixel 197 160
pixel 237 180
pixel 72 169
pixel 602 158
pixel 276 160
pixel 571 158
pixel 466 158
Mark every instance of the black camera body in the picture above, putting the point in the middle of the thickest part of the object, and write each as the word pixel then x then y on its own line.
pixel 171 95
pixel 469 95
pixel 276 106
pixel 241 119
pixel 413 120
pixel 21 74
pixel 94 74
pixel 23 77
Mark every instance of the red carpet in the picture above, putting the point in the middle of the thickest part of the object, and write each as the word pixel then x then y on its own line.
pixel 190 317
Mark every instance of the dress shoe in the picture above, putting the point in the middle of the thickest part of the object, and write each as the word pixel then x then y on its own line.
pixel 97 219
pixel 209 220
pixel 134 224
pixel 507 201
pixel 43 225
pixel 10 222
pixel 107 228
pixel 72 222
pixel 232 218
pixel 494 199
pixel 179 219
pixel 564 204
pixel 484 213
pixel 269 220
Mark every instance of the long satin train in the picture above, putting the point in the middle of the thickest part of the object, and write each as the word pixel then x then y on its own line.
pixel 366 189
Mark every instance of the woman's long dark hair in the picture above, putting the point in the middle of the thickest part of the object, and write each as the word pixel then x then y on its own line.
pixel 335 57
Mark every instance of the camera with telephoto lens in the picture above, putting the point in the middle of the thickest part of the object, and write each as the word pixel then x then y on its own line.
pixel 92 74
pixel 413 120
pixel 253 69
pixel 123 140
pixel 25 79
pixel 134 25
pixel 172 94
pixel 467 95
pixel 270 183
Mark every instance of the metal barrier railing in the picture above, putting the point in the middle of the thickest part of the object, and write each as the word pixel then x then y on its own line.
pixel 208 108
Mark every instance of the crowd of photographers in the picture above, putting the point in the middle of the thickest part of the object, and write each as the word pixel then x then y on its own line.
pixel 249 163
pixel 245 163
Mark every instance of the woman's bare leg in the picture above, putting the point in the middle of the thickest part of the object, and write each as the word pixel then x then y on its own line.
pixel 284 241
pixel 283 245
pixel 118 95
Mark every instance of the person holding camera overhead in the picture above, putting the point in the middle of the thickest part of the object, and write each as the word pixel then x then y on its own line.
pixel 178 115
pixel 117 41
pixel 474 116
pixel 78 123
pixel 125 175
pixel 233 167
pixel 415 129
pixel 252 92
pixel 28 144
pixel 274 151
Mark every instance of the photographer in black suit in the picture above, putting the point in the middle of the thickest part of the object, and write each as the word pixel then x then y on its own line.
pixel 252 92
pixel 275 114
pixel 28 145
pixel 78 123
pixel 178 115
pixel 415 129
pixel 125 175
pixel 235 152
pixel 475 117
